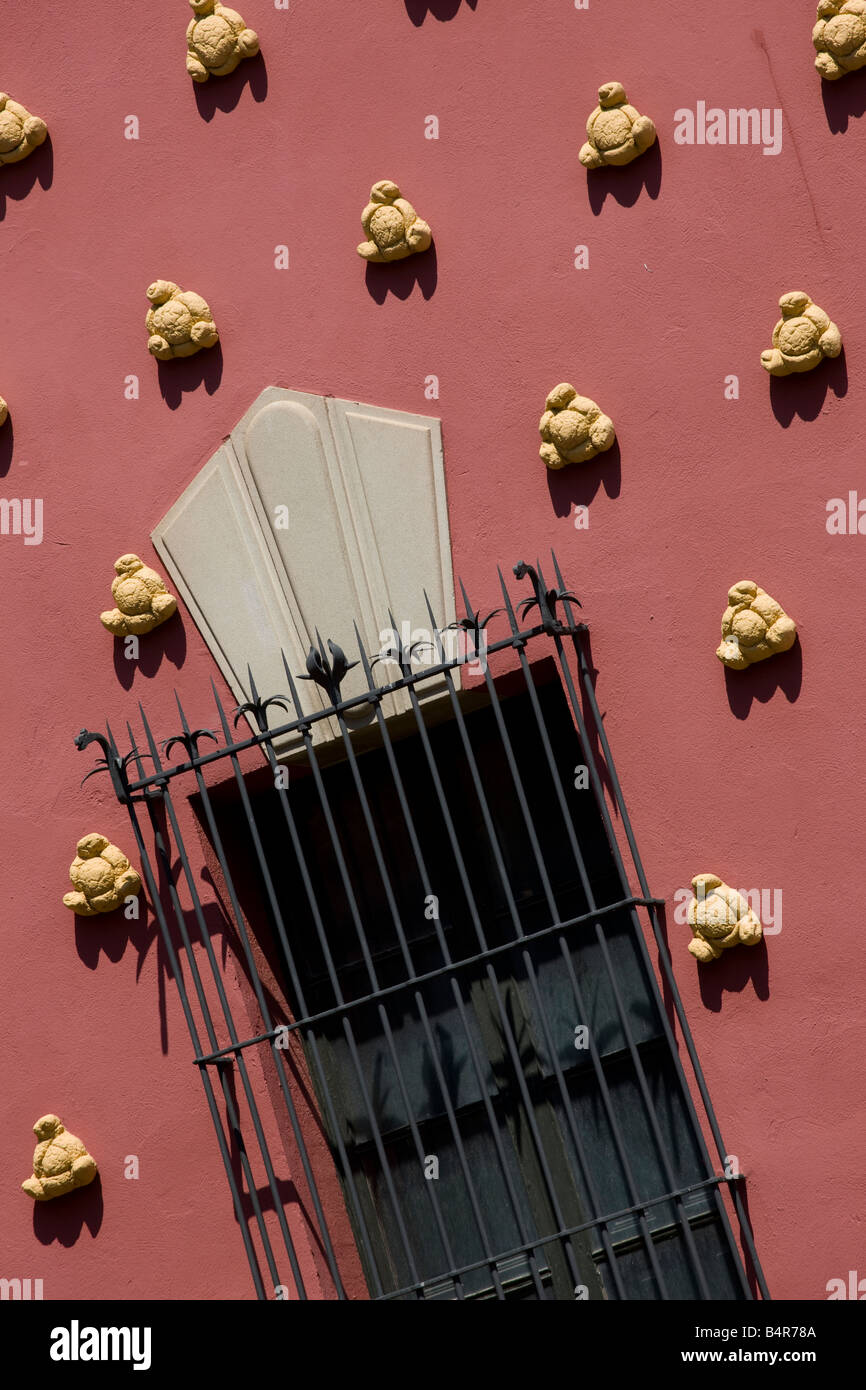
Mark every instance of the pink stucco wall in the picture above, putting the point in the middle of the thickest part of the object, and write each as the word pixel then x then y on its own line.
pixel 757 777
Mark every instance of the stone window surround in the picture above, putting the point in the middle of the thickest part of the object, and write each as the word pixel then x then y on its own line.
pixel 367 533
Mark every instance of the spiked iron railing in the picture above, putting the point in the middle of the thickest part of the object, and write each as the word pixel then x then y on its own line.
pixel 220 1060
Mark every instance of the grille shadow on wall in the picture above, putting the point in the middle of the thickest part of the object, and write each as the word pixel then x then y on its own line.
pixel 455 1008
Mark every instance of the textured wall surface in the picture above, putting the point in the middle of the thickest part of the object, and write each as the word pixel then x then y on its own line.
pixel 757 775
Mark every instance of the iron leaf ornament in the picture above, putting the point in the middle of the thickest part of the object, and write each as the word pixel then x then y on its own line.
pixel 258 707
pixel 189 741
pixel 112 762
pixel 545 600
pixel 474 623
pixel 328 674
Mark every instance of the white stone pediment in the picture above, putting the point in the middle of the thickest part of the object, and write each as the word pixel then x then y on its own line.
pixel 367 533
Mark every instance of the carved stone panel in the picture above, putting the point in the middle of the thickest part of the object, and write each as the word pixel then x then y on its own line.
pixel 315 513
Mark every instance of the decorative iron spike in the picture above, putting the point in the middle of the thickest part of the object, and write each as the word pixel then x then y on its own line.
pixel 328 674
pixel 436 630
pixel 471 623
pixel 258 708
pixel 367 662
pixel 112 762
pixel 508 610
pixel 255 706
pixel 564 593
pixel 135 755
pixel 189 740
pixel 389 653
pixel 401 654
pixel 86 736
pixel 475 624
pixel 545 599
pixel 403 659
pixel 419 646
pixel 221 712
pixel 295 697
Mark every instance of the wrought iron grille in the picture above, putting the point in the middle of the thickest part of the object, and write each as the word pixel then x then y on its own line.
pixel 456 1012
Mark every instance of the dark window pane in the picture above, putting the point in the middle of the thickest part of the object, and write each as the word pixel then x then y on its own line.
pixel 715 1258
pixel 498 1214
pixel 643 1149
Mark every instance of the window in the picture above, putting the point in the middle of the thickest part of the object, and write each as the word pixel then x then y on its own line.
pixel 449 913
pixel 474 1074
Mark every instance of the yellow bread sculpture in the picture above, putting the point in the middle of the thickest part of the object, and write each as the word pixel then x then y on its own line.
pixel 20 133
pixel 178 322
pixel 754 626
pixel 802 338
pixel 101 876
pixel 840 37
pixel 719 918
pixel 61 1163
pixel 617 132
pixel 217 40
pixel 573 428
pixel 4 411
pixel 143 602
pixel 393 226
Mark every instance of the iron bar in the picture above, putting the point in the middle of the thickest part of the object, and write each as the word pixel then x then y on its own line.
pixel 279 1061
pixel 511 1044
pixel 311 1039
pixel 553 769
pixel 241 1065
pixel 177 973
pixel 664 957
pixel 368 960
pixel 552 906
